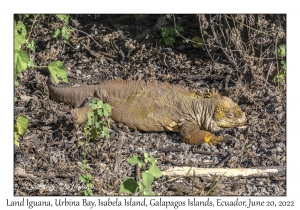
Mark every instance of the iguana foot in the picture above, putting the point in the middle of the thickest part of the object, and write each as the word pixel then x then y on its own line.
pixel 80 115
pixel 219 139
pixel 192 134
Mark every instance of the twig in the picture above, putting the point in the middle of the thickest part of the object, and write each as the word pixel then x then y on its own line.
pixel 209 153
pixel 83 33
pixel 138 172
pixel 34 20
pixel 168 149
pixel 268 73
pixel 171 161
pixel 204 40
pixel 227 172
pixel 246 25
pixel 223 161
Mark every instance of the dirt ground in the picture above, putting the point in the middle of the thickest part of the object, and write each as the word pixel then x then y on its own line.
pixel 238 59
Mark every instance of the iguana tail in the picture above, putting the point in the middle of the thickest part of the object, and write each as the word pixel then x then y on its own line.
pixel 70 95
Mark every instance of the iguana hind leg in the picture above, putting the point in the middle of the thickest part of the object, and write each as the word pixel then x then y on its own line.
pixel 80 115
pixel 192 134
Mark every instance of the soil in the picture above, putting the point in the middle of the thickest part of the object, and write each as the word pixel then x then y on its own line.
pixel 239 59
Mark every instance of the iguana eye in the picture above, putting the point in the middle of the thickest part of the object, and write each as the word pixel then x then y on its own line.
pixel 230 115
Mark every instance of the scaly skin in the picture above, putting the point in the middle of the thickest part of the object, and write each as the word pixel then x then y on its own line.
pixel 157 107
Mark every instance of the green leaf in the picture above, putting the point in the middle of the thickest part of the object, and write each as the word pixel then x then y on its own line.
pixel 94 133
pixel 17 83
pixel 94 106
pixel 19 35
pixel 147 179
pixel 16 139
pixel 31 45
pixel 30 63
pixel 106 110
pixel 97 124
pixel 135 160
pixel 21 125
pixel 99 103
pixel 155 171
pixel 165 32
pixel 94 101
pixel 15 99
pixel 82 178
pixel 169 41
pixel 281 50
pixel 21 61
pixel 89 185
pixel 90 118
pixel 57 69
pixel 139 17
pixel 141 186
pixel 106 132
pixel 148 193
pixel 25 16
pixel 63 17
pixel 173 31
pixel 129 185
pixel 55 33
pixel 283 64
pixel 152 160
pixel 65 32
pixel 100 112
pixel 89 177
pixel 198 40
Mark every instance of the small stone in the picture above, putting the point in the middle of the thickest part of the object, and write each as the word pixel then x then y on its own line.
pixel 78 72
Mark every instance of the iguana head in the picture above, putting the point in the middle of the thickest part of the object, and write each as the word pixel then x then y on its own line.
pixel 228 114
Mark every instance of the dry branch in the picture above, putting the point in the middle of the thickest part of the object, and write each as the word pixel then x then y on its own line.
pixel 227 172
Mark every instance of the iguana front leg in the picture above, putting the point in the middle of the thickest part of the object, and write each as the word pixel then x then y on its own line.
pixel 191 133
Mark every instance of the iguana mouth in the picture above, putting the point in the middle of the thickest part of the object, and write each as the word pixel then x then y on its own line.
pixel 225 123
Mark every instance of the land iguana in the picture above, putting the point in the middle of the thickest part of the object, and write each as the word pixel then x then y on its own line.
pixel 157 107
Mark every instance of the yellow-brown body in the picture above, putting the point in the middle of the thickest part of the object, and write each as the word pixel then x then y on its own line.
pixel 157 107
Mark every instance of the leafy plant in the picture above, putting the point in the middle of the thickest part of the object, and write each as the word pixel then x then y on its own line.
pixel 57 69
pixel 22 62
pixel 130 186
pixel 21 58
pixel 98 123
pixel 30 45
pixel 169 35
pixel 65 31
pixel 280 76
pixel 281 51
pixel 87 179
pixel 20 128
pixel 63 17
pixel 98 120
